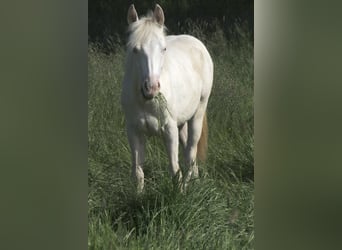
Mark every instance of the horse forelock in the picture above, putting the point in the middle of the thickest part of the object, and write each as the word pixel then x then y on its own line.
pixel 143 30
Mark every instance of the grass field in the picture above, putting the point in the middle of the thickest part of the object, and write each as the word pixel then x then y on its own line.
pixel 217 212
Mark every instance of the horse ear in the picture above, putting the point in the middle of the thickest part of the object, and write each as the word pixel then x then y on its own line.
pixel 132 14
pixel 159 14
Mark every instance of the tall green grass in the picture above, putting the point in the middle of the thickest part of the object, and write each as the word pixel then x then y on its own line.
pixel 217 211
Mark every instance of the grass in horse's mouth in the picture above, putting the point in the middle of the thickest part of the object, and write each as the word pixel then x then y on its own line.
pixel 161 105
pixel 161 102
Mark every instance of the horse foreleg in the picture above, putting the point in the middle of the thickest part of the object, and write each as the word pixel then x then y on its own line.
pixel 137 145
pixel 194 134
pixel 172 142
pixel 183 135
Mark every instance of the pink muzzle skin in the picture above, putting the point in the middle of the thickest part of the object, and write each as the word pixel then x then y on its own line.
pixel 150 88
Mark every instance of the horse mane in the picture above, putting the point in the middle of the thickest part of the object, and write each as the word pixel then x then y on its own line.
pixel 143 29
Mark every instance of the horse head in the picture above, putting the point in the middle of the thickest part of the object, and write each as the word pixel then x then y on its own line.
pixel 147 47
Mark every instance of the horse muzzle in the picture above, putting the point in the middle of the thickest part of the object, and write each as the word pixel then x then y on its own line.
pixel 150 89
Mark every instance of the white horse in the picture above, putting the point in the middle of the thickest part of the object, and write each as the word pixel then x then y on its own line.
pixel 166 87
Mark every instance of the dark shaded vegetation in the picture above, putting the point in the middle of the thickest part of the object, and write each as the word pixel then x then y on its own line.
pixel 107 18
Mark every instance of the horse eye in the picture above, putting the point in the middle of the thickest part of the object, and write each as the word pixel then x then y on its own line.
pixel 135 50
pixel 164 49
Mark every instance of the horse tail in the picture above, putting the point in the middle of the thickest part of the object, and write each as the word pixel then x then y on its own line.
pixel 202 145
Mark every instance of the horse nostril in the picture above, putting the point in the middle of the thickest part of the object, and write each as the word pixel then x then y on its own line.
pixel 158 84
pixel 146 86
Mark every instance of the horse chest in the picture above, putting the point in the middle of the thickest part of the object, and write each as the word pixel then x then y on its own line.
pixel 151 123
